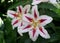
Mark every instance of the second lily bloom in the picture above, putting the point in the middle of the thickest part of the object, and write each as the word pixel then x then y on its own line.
pixel 35 24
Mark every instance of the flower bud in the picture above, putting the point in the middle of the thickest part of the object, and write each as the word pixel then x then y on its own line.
pixel 1 22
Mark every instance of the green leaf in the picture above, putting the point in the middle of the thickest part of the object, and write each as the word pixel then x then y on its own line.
pixel 19 3
pixel 54 38
pixel 47 6
pixel 2 37
pixel 9 33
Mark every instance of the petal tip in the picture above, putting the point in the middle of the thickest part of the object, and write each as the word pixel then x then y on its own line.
pixel 48 37
pixel 36 2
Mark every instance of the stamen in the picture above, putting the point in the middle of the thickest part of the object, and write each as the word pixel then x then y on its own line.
pixel 34 24
pixel 19 17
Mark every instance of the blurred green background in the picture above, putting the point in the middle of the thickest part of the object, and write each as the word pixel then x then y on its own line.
pixel 8 35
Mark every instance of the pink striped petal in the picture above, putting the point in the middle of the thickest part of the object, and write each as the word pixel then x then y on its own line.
pixel 25 28
pixel 33 34
pixel 30 19
pixel 15 15
pixel 42 20
pixel 34 30
pixel 35 12
pixel 41 30
pixel 19 9
pixel 11 14
pixel 43 33
pixel 26 9
pixel 15 22
pixel 28 26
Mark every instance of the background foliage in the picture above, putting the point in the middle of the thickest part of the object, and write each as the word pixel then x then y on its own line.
pixel 8 35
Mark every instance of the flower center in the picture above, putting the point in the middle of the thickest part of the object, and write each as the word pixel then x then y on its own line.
pixel 34 23
pixel 19 16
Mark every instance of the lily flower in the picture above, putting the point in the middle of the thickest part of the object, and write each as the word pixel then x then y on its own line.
pixel 17 16
pixel 36 25
pixel 38 1
pixel 53 1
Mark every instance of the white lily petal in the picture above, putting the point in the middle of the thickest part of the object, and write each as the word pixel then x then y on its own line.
pixel 26 9
pixel 43 33
pixel 20 9
pixel 10 13
pixel 20 28
pixel 44 0
pixel 36 2
pixel 53 1
pixel 25 17
pixel 19 31
pixel 35 12
pixel 15 25
pixel 25 28
pixel 48 19
pixel 35 36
